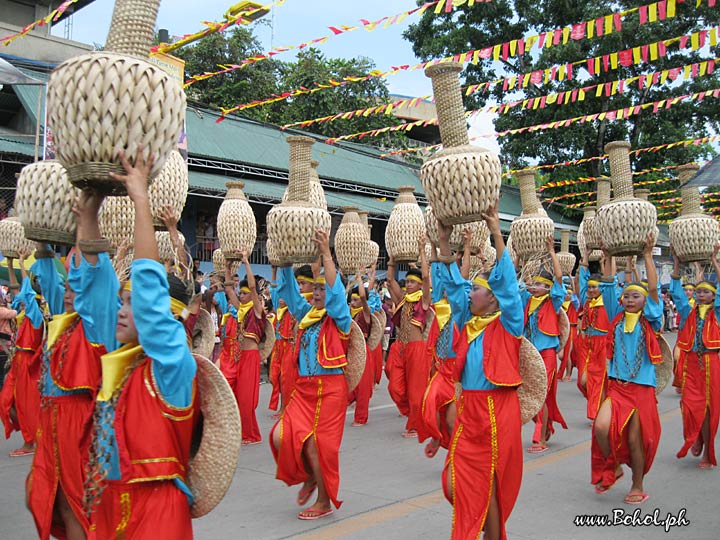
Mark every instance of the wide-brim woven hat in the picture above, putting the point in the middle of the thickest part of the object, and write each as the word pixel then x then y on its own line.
pixel 203 336
pixel 267 343
pixel 564 324
pixel 664 370
pixel 377 329
pixel 533 390
pixel 356 357
pixel 212 468
pixel 382 317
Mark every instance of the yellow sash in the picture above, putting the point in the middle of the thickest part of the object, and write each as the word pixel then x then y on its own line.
pixel 355 310
pixel 703 310
pixel 478 323
pixel 566 305
pixel 281 312
pixel 535 302
pixel 413 297
pixel 443 312
pixel 597 302
pixel 243 310
pixel 631 320
pixel 58 325
pixel 113 368
pixel 313 316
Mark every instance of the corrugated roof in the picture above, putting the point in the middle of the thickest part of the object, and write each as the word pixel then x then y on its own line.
pixel 28 95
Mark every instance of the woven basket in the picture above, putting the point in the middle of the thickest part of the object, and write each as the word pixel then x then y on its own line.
pixel 317 193
pixel 170 188
pixel 627 221
pixel 511 250
pixel 644 194
pixel 594 236
pixel 236 226
pixel 270 252
pixel 12 238
pixel 531 229
pixel 351 242
pixel 44 202
pixel 533 390
pixel 693 234
pixel 166 250
pixel 291 225
pixel 484 260
pixel 588 214
pixel 405 227
pixel 218 260
pixel 566 259
pixel 117 220
pixel 461 181
pixel 102 102
pixel 479 231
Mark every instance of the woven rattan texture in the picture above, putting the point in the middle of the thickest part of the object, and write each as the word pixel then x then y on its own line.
pixel 132 28
pixel 12 238
pixel 170 188
pixel 351 242
pixel 117 220
pixel 236 225
pixel 405 227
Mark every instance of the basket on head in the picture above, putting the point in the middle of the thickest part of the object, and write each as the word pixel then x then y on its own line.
pixel 117 220
pixel 170 188
pixel 317 193
pixel 236 226
pixel 533 390
pixel 405 227
pixel 531 229
pixel 478 229
pixel 44 201
pixel 12 238
pixel 626 222
pixel 693 234
pixel 461 181
pixel 565 258
pixel 291 225
pixel 212 468
pixel 351 242
pixel 105 101
pixel 272 256
pixel 166 250
pixel 218 260
pixel 356 357
pixel 588 215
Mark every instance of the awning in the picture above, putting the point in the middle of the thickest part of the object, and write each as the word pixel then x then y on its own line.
pixel 11 75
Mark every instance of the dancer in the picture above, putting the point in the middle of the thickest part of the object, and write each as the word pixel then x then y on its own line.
pixel 483 468
pixel 699 342
pixel 571 307
pixel 627 426
pixel 305 441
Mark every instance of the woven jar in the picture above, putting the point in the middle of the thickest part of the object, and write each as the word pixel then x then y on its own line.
pixel 317 193
pixel 105 101
pixel 291 225
pixel 592 240
pixel 170 188
pixel 595 254
pixel 271 254
pixel 373 248
pixel 12 238
pixel 627 221
pixel 218 260
pixel 351 242
pixel 236 226
pixel 566 259
pixel 166 250
pixel 693 234
pixel 644 194
pixel 592 235
pixel 531 229
pixel 461 181
pixel 484 260
pixel 117 221
pixel 44 202
pixel 479 231
pixel 405 227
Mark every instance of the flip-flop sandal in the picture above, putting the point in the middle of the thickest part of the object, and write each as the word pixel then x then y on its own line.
pixel 705 465
pixel 410 434
pixel 21 452
pixel 636 498
pixel 602 489
pixel 431 450
pixel 314 514
pixel 305 493
pixel 537 449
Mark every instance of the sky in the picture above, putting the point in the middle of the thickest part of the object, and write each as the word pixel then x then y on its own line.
pixel 295 22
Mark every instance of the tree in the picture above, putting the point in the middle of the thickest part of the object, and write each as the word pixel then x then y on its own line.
pixel 488 24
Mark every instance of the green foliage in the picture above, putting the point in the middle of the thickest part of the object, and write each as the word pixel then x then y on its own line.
pixel 485 25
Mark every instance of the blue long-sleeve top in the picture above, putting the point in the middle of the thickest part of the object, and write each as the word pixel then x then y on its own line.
pixel 374 302
pixel 26 296
pixel 684 308
pixel 51 284
pixel 504 285
pixel 583 279
pixel 630 361
pixel 222 301
pixel 437 281
pixel 337 309
pixel 540 340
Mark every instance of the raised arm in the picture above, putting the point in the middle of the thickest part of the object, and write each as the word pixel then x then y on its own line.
pixel 424 272
pixel 492 218
pixel 393 286
pixel 363 297
pixel 229 288
pixel 467 241
pixel 650 269
pixel 258 304
pixel 557 271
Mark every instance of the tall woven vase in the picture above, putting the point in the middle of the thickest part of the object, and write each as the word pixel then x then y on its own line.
pixel 592 234
pixel 693 234
pixel 117 221
pixel 479 231
pixel 12 238
pixel 405 227
pixel 102 102
pixel 166 250
pixel 351 242
pixel 588 216
pixel 170 188
pixel 627 221
pixel 218 260
pixel 291 225
pixel 531 229
pixel 461 181
pixel 566 259
pixel 44 202
pixel 317 193
pixel 236 226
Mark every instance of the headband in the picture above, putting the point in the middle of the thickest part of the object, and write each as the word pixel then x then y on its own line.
pixel 637 288
pixel 320 280
pixel 482 282
pixel 593 282
pixel 413 277
pixel 541 279
pixel 245 289
pixel 305 278
pixel 689 286
pixel 706 286
pixel 354 295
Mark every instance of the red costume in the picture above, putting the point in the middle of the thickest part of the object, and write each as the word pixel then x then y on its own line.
pixel 592 356
pixel 283 340
pixel 364 390
pixel 568 354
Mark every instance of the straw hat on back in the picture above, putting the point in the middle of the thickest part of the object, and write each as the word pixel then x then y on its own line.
pixel 533 390
pixel 356 357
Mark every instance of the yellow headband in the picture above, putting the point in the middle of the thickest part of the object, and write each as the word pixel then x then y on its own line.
pixel 689 286
pixel 413 277
pixel 482 282
pixel 593 283
pixel 637 288
pixel 320 280
pixel 176 306
pixel 245 289
pixel 354 295
pixel 706 286
pixel 544 280
pixel 305 278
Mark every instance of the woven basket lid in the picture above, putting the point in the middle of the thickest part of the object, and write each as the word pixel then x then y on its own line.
pixel 213 466
pixel 203 338
pixel 664 370
pixel 356 357
pixel 267 343
pixel 377 330
pixel 533 390
pixel 564 323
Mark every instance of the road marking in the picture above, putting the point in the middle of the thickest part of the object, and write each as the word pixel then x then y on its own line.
pixel 399 509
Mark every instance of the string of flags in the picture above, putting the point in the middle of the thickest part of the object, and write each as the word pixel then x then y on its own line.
pixel 53 16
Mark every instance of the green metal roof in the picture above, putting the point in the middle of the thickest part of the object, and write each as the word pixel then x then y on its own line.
pixel 28 94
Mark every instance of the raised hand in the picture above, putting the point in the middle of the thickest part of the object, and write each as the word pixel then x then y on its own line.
pixel 135 178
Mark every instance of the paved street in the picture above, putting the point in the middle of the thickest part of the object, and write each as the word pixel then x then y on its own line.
pixel 392 491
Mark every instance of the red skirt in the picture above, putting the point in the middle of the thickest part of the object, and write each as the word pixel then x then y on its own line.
pixel 275 358
pixel 288 373
pixel 439 395
pixel 142 511
pixel 626 399
pixel 61 455
pixel 377 359
pixel 364 390
pixel 408 372
pixel 21 391
pixel 486 450
pixel 247 393
pixel 594 363
pixel 700 397
pixel 679 368
pixel 554 415
pixel 316 408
